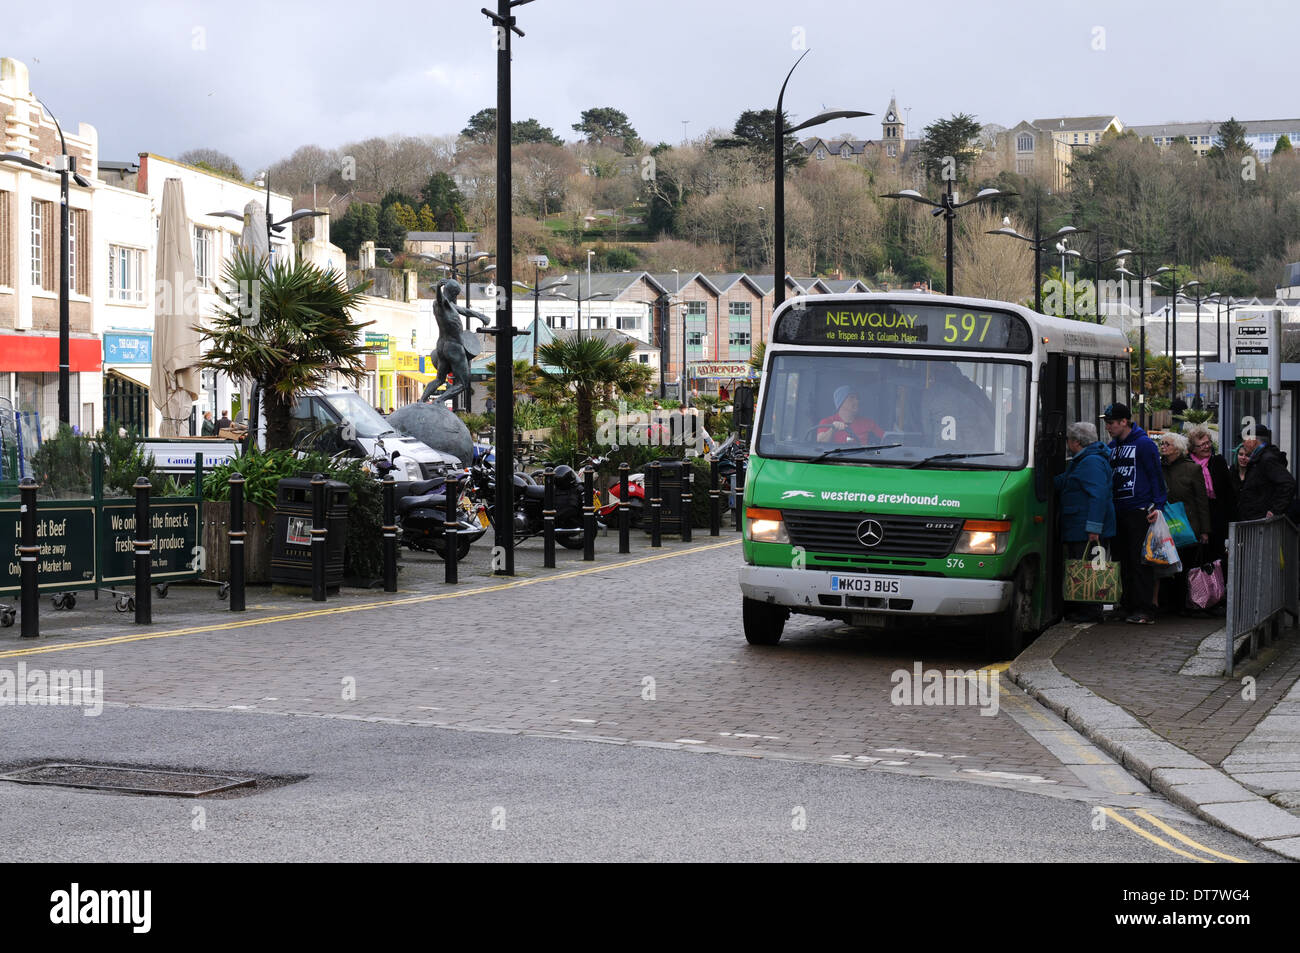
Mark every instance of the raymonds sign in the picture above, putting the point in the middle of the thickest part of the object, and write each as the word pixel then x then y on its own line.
pixel 721 370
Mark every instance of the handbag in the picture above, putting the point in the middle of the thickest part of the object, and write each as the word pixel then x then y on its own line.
pixel 1086 582
pixel 1205 586
pixel 1180 527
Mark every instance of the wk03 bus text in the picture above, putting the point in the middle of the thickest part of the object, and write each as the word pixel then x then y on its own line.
pixel 903 461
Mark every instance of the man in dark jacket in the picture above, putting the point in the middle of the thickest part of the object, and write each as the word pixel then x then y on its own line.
pixel 1269 487
pixel 1139 492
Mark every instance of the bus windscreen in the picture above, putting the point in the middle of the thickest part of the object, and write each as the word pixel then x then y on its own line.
pixel 899 324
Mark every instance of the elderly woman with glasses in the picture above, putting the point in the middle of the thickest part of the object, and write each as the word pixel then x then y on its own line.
pixel 1186 485
pixel 1220 487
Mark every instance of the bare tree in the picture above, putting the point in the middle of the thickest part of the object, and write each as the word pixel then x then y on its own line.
pixel 991 266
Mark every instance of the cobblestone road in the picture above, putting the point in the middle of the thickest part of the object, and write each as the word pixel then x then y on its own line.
pixel 646 650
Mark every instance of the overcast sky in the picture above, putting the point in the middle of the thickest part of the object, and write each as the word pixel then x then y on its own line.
pixel 259 79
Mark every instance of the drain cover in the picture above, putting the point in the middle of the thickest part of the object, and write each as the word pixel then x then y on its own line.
pixel 105 777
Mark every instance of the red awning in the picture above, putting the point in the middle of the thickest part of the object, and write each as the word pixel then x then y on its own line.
pixel 35 352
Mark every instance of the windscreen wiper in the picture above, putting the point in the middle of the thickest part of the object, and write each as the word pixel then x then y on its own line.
pixel 952 456
pixel 826 453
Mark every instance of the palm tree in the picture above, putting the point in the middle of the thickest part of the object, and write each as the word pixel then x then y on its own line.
pixel 589 368
pixel 288 328
pixel 524 377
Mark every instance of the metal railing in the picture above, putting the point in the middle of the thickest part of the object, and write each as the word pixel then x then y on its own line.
pixel 1262 574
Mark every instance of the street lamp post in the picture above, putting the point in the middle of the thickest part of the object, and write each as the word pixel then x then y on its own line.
pixel 778 238
pixel 1142 278
pixel 66 166
pixel 539 262
pixel 1038 242
pixel 947 207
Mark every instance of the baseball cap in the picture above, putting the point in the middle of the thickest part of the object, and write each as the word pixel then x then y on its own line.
pixel 842 394
pixel 1117 412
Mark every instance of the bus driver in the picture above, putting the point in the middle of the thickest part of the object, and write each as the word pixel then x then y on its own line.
pixel 845 426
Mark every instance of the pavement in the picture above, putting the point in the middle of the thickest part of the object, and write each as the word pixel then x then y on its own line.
pixel 1227 749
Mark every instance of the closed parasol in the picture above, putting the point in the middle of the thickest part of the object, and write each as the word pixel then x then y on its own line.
pixel 174 383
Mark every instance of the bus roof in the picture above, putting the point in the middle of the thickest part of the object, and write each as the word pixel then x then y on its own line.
pixel 1062 335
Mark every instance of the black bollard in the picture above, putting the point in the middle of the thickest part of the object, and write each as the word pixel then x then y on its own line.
pixel 688 484
pixel 390 534
pixel 548 521
pixel 318 531
pixel 624 510
pixel 143 554
pixel 451 531
pixel 237 535
pixel 588 515
pixel 28 554
pixel 656 503
pixel 715 501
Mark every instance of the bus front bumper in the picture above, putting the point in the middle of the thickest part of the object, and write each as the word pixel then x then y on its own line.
pixel 902 595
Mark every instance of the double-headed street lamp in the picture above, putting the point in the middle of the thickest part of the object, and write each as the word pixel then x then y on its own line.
pixel 1195 288
pixel 778 237
pixel 1039 242
pixel 1142 279
pixel 537 290
pixel 947 207
pixel 264 179
pixel 66 166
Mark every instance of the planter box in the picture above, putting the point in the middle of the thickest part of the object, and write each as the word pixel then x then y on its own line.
pixel 259 524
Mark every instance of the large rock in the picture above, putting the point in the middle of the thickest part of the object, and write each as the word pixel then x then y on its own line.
pixel 435 426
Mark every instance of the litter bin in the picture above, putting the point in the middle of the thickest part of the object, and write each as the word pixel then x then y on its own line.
pixel 291 549
pixel 670 493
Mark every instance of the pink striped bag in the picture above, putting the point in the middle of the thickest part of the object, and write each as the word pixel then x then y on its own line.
pixel 1205 586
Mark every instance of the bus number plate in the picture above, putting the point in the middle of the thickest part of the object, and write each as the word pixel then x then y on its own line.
pixel 866 585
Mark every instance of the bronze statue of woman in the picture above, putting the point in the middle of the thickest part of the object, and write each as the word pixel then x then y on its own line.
pixel 456 346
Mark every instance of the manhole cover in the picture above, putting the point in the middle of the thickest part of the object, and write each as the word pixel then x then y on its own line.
pixel 106 777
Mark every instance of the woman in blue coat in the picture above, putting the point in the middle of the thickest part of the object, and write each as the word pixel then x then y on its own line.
pixel 1087 498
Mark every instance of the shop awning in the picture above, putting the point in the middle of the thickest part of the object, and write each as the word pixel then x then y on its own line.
pixel 417 376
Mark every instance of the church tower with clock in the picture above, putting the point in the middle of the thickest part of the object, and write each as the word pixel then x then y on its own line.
pixel 892 126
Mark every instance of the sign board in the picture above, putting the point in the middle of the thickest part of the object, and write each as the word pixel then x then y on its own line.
pixel 1251 349
pixel 721 370
pixel 128 348
pixel 175 532
pixel 66 535
pixel 408 361
pixel 381 343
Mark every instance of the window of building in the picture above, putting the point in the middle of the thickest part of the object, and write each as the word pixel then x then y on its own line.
pixel 72 251
pixel 6 243
pixel 846 152
pixel 203 242
pixel 740 309
pixel 695 339
pixel 739 339
pixel 125 274
pixel 629 323
pixel 1025 143
pixel 1076 137
pixel 38 215
pixel 821 153
pixel 1024 166
pixel 696 310
pixel 643 358
pixel 893 150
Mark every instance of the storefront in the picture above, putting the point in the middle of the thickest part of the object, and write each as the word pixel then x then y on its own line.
pixel 128 364
pixel 713 377
pixel 410 378
pixel 385 370
pixel 29 379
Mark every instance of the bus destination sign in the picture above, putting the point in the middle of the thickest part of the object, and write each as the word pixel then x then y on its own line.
pixel 873 324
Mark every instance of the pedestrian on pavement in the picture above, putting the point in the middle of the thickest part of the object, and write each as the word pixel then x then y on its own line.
pixel 1220 487
pixel 1186 485
pixel 1269 488
pixel 209 426
pixel 1087 502
pixel 1139 493
pixel 224 422
pixel 1242 456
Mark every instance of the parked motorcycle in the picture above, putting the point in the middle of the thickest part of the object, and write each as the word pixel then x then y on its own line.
pixel 529 500
pixel 422 515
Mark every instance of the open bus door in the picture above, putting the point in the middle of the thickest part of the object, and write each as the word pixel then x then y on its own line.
pixel 1049 460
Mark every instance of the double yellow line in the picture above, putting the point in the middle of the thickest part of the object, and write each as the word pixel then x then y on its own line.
pixel 1182 838
pixel 245 623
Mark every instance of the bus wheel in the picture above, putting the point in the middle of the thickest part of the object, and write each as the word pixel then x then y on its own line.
pixel 764 622
pixel 1013 629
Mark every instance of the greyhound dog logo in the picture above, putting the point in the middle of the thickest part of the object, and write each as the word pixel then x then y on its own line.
pixel 791 494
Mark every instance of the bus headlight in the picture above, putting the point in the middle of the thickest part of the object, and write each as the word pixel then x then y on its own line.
pixel 983 537
pixel 765 526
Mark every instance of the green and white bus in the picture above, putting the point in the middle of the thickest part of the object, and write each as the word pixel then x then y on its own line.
pixel 930 495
